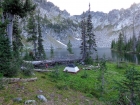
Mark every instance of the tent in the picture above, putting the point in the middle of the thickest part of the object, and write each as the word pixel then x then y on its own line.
pixel 71 68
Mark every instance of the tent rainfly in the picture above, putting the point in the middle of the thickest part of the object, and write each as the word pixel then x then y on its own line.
pixel 71 68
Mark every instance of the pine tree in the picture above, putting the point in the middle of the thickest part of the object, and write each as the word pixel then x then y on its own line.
pixel 69 47
pixel 91 37
pixel 52 52
pixel 113 44
pixel 83 46
pixel 17 44
pixel 31 29
pixel 120 43
pixel 130 86
pixel 5 52
pixel 12 8
pixel 41 52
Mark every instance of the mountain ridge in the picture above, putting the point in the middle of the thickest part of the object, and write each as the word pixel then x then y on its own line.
pixel 107 26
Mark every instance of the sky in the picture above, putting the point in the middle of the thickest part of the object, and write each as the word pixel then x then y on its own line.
pixel 76 7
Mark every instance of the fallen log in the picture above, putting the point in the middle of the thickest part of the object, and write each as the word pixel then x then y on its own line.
pixel 14 80
pixel 55 61
pixel 41 70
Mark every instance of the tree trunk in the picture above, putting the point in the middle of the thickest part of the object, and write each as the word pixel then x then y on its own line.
pixel 35 52
pixel 10 18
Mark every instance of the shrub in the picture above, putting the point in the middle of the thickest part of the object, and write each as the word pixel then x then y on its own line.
pixel 28 69
pixel 89 60
pixel 1 82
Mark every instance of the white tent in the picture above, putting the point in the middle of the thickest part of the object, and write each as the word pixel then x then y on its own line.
pixel 71 68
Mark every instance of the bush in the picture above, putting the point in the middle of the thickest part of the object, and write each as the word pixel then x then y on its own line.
pixel 1 82
pixel 29 56
pixel 89 60
pixel 28 69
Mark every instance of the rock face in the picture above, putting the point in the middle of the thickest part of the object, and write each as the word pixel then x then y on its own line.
pixel 58 27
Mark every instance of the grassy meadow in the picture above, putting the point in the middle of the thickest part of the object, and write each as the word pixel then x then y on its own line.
pixel 61 88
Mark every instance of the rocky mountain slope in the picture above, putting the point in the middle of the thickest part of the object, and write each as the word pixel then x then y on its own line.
pixel 58 27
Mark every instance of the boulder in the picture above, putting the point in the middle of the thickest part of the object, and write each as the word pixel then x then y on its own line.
pixel 42 98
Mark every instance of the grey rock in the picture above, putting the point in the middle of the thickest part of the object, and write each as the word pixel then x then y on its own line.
pixel 17 99
pixel 40 91
pixel 42 98
pixel 33 102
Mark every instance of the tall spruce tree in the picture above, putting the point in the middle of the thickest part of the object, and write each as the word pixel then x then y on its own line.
pixel 17 44
pixel 41 52
pixel 120 43
pixel 11 8
pixel 83 46
pixel 32 31
pixel 91 37
pixel 5 52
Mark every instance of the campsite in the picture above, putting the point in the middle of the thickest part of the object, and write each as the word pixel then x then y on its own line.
pixel 61 87
pixel 49 56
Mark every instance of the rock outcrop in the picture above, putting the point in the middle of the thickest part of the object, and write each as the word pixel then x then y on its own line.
pixel 58 27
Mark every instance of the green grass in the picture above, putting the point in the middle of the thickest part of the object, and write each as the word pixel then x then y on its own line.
pixel 67 88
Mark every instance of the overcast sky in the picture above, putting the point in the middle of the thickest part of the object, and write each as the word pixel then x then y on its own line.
pixel 76 7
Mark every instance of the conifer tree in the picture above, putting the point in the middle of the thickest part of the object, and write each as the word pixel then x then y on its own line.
pixel 12 8
pixel 31 29
pixel 52 52
pixel 83 46
pixel 5 52
pixel 69 47
pixel 129 87
pixel 91 37
pixel 17 44
pixel 41 52
pixel 113 44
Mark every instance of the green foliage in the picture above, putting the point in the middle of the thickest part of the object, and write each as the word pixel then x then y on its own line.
pixel 31 29
pixel 1 82
pixel 83 46
pixel 5 52
pixel 21 9
pixel 41 52
pixel 62 86
pixel 101 77
pixel 88 44
pixel 129 87
pixel 91 36
pixel 52 52
pixel 29 56
pixel 88 60
pixel 126 46
pixel 69 47
pixel 85 75
pixel 28 69
pixel 113 44
pixel 17 44
pixel 120 43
